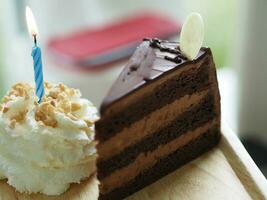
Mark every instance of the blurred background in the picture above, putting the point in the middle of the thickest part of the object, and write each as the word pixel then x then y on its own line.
pixel 234 29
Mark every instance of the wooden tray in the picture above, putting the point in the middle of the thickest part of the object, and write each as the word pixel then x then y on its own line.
pixel 226 172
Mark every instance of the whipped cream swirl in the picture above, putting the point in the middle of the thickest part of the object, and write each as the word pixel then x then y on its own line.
pixel 45 147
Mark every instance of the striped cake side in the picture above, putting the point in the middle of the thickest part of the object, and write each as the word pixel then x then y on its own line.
pixel 129 161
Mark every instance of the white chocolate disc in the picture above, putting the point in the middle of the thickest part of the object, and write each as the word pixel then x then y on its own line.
pixel 192 35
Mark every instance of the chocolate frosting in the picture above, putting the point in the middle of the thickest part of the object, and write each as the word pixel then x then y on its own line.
pixel 152 59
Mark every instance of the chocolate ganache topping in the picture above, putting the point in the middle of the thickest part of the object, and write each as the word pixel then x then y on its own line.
pixel 152 58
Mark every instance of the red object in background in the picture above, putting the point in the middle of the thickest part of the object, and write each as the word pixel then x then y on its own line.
pixel 101 46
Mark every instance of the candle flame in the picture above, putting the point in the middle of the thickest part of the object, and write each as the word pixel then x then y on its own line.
pixel 32 27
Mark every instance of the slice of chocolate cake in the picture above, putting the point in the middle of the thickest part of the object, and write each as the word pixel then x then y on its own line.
pixel 163 111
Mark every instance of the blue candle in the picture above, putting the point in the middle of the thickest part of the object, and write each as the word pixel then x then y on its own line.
pixel 36 55
pixel 38 72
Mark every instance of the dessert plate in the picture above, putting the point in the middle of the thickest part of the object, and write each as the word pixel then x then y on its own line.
pixel 226 172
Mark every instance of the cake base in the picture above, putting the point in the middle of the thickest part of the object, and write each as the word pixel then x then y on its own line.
pixel 168 164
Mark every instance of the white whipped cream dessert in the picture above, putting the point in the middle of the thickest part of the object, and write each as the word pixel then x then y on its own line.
pixel 45 147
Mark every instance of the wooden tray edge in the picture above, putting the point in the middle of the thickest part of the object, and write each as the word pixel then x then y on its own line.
pixel 243 165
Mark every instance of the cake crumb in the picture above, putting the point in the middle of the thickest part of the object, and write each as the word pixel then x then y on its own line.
pixel 53 103
pixel 62 87
pixel 20 116
pixel 75 107
pixel 88 122
pixel 54 94
pixel 65 105
pixel 5 109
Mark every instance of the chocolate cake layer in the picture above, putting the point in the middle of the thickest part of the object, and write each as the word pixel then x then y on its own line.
pixel 188 82
pixel 189 120
pixel 146 160
pixel 167 164
pixel 148 125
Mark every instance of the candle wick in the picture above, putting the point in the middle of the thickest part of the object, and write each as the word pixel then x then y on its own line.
pixel 35 40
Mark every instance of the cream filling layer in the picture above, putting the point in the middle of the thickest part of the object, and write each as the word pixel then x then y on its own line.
pixel 148 125
pixel 147 160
